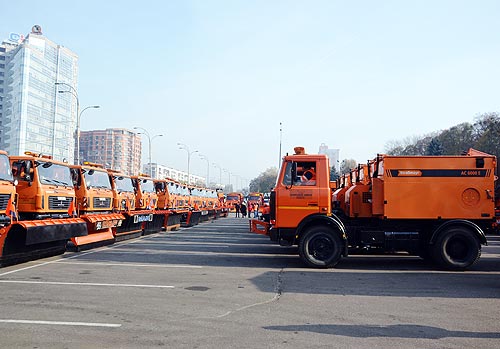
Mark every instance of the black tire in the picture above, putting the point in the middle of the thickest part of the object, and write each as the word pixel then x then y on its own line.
pixel 320 247
pixel 456 248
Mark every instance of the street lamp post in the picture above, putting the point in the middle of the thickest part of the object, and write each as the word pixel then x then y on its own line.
pixel 79 113
pixel 229 174
pixel 189 153
pixel 150 139
pixel 203 157
pixel 236 181
pixel 78 129
pixel 220 173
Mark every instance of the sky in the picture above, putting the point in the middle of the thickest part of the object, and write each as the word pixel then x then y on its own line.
pixel 220 76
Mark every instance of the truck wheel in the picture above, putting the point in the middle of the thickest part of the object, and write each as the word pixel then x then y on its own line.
pixel 456 248
pixel 320 247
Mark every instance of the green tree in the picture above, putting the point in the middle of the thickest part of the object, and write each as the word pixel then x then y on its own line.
pixel 265 181
pixel 487 130
pixel 457 139
pixel 334 174
pixel 347 165
pixel 434 148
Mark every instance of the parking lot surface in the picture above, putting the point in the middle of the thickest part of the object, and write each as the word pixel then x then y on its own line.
pixel 217 285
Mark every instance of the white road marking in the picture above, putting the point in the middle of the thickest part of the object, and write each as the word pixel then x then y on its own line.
pixel 81 284
pixel 80 254
pixel 62 323
pixel 132 264
pixel 26 268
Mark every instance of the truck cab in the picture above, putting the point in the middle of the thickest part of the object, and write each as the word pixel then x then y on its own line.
pixel 94 193
pixel 123 191
pixel 297 197
pixel 145 193
pixel 45 186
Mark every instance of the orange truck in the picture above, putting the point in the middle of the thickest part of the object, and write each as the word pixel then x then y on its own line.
pixel 232 199
pixel 257 199
pixel 125 202
pixel 166 191
pixel 435 207
pixel 94 204
pixel 43 217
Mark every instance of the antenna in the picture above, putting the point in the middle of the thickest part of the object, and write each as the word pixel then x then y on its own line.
pixel 281 131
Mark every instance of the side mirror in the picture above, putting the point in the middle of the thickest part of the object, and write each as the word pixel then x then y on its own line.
pixel 27 170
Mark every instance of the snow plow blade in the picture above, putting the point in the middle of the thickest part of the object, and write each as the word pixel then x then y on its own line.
pixel 93 240
pixel 29 240
pixel 99 231
pixel 259 227
pixel 48 230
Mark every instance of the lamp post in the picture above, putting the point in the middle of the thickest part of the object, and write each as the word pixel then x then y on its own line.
pixel 189 153
pixel 79 113
pixel 150 139
pixel 220 173
pixel 236 181
pixel 229 174
pixel 203 157
pixel 246 181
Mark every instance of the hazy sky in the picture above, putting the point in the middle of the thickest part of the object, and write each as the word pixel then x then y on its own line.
pixel 220 76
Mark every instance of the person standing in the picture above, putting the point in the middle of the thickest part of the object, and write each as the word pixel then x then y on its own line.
pixel 243 209
pixel 256 210
pixel 237 208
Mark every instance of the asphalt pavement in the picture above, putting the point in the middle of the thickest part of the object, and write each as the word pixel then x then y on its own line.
pixel 216 285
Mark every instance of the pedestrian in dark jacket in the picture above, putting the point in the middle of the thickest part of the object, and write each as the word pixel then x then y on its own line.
pixel 243 210
pixel 237 208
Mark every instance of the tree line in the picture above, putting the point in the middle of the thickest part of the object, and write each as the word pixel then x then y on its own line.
pixel 483 135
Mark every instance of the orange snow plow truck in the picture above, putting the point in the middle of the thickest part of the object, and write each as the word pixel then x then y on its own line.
pixel 42 217
pixel 435 207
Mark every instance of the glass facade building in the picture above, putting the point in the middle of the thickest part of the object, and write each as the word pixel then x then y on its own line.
pixel 33 115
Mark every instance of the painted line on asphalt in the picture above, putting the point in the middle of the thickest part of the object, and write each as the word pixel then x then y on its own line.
pixel 204 253
pixel 26 268
pixel 133 265
pixel 80 284
pixel 60 323
pixel 80 254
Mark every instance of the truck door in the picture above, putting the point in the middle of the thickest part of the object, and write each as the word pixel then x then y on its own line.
pixel 298 193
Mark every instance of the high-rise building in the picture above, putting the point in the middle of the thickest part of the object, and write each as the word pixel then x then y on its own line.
pixel 33 115
pixel 333 155
pixel 115 148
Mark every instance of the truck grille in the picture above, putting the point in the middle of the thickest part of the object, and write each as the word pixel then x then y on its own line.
pixel 102 202
pixel 59 202
pixel 4 199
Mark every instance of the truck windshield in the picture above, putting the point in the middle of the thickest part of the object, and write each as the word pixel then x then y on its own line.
pixel 50 173
pixel 173 189
pixel 5 171
pixel 147 186
pixel 233 197
pixel 97 179
pixel 124 184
